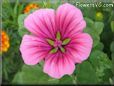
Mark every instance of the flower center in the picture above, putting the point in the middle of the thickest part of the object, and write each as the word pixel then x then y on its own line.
pixel 58 44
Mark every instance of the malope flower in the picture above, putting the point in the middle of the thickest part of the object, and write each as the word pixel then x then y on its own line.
pixel 4 42
pixel 57 38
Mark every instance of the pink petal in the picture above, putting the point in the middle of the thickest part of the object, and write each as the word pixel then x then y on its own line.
pixel 74 29
pixel 80 47
pixel 69 18
pixel 41 23
pixel 33 49
pixel 59 65
pixel 66 65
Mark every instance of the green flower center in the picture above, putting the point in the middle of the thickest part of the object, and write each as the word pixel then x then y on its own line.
pixel 58 44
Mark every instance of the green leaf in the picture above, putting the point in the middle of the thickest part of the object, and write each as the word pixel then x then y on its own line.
pixel 94 29
pixel 86 73
pixel 112 26
pixel 32 75
pixel 99 46
pixel 20 8
pixel 111 81
pixel 21 28
pixel 22 31
pixel 112 47
pixel 66 41
pixel 100 62
pixel 51 42
pixel 15 8
pixel 112 55
pixel 56 4
pixel 98 26
pixel 89 22
pixel 18 78
pixel 21 20
pixel 94 35
pixel 66 80
pixel 46 4
pixel 98 58
pixel 107 75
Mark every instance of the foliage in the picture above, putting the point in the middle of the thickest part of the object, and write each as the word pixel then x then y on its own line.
pixel 112 26
pixel 32 75
pixel 98 69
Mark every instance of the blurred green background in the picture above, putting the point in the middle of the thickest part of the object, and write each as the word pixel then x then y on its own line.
pixel 98 69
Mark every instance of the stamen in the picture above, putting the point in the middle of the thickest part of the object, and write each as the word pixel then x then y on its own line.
pixel 62 49
pixel 54 50
pixel 66 41
pixel 57 44
pixel 51 42
pixel 58 35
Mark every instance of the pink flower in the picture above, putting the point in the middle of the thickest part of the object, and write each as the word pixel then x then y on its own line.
pixel 57 38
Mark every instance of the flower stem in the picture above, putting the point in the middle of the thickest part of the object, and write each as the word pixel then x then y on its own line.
pixel 74 79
